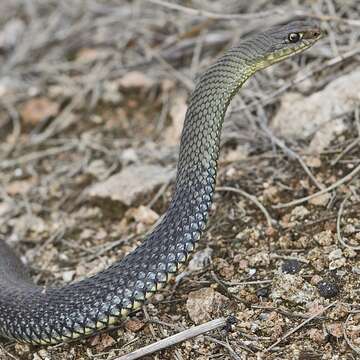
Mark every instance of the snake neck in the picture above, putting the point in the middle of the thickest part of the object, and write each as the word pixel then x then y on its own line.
pixel 200 140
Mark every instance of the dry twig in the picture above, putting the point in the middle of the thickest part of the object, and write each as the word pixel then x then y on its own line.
pixel 356 349
pixel 5 164
pixel 175 339
pixel 288 151
pixel 211 15
pixel 338 225
pixel 296 328
pixel 226 345
pixel 343 180
pixel 252 198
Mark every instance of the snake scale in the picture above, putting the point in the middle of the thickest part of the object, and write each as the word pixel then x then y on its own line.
pixel 40 315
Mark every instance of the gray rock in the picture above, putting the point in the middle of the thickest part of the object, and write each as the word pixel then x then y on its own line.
pixel 300 117
pixel 132 183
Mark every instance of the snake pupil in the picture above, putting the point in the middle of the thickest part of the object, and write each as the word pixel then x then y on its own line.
pixel 294 37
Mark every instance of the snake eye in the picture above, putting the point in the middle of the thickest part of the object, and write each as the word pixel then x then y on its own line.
pixel 294 37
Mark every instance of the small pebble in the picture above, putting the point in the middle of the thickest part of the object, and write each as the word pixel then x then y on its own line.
pixel 263 292
pixel 68 275
pixel 328 289
pixel 335 254
pixel 299 213
pixel 134 325
pixel 204 303
pixel 291 266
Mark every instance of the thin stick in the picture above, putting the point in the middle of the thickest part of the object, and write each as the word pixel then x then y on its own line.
pixel 227 346
pixel 175 339
pixel 14 116
pixel 348 341
pixel 9 354
pixel 287 150
pixel 215 16
pixel 354 142
pixel 345 151
pixel 255 282
pixel 343 180
pixel 189 84
pixel 338 224
pixel 252 198
pixel 296 328
pixel 37 155
pixel 350 22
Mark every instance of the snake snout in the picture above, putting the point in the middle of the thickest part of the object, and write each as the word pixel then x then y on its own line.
pixel 313 34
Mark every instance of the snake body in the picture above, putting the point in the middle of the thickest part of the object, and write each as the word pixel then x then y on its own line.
pixel 41 315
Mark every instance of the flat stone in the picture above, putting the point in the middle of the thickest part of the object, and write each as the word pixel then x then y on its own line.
pixel 300 117
pixel 132 183
pixel 202 304
pixel 320 200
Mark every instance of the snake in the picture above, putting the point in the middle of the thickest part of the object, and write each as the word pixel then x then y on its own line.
pixel 42 315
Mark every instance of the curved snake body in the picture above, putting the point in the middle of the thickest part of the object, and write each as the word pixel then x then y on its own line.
pixel 40 315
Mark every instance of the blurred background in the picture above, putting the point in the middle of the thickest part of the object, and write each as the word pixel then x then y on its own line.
pixel 93 96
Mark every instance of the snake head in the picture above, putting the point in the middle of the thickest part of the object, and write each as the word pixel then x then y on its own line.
pixel 283 41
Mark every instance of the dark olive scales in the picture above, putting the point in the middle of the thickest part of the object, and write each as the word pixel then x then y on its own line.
pixel 40 315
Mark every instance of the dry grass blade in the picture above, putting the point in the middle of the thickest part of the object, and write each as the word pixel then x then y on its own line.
pixel 343 180
pixel 231 351
pixel 356 349
pixel 288 151
pixel 211 15
pixel 37 155
pixel 252 198
pixel 338 225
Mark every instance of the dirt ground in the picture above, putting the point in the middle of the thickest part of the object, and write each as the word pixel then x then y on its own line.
pixel 89 89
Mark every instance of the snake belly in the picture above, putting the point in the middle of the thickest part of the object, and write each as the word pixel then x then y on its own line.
pixel 40 315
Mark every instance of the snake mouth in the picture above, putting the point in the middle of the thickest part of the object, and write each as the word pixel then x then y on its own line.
pixel 283 54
